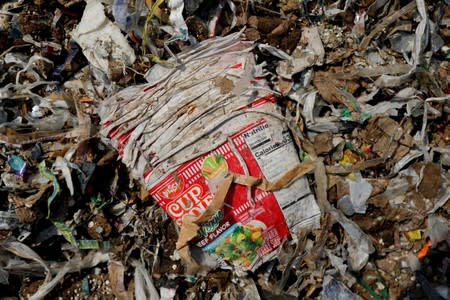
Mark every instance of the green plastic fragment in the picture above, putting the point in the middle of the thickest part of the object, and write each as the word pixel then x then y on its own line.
pixel 346 113
pixel 100 201
pixel 66 232
pixel 105 246
pixel 365 285
pixel 191 278
pixel 50 176
pixel 365 116
pixel 85 285
pixel 349 145
pixel 89 244
pixel 304 156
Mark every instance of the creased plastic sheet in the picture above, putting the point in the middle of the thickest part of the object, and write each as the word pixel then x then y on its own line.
pixel 8 220
pixel 421 40
pixel 116 272
pixel 334 10
pixel 176 18
pixel 4 276
pixel 76 264
pixel 312 54
pixel 144 287
pixel 24 251
pixel 61 164
pixel 360 190
pixel 335 290
pixel 120 13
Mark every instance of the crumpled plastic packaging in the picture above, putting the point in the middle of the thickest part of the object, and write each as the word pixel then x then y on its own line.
pixel 301 59
pixel 438 229
pixel 356 202
pixel 102 42
pixel 208 121
pixel 144 287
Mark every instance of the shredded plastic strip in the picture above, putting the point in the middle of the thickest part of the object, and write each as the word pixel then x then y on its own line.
pixel 56 189
pixel 365 285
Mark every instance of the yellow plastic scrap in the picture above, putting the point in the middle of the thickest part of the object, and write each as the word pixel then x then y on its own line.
pixel 348 158
pixel 352 176
pixel 50 176
pixel 66 232
pixel 154 10
pixel 414 235
pixel 158 60
pixel 345 160
pixel 150 15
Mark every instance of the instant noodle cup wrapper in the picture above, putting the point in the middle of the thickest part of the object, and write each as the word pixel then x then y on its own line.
pixel 189 127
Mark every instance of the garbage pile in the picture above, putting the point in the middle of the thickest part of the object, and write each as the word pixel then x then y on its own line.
pixel 225 149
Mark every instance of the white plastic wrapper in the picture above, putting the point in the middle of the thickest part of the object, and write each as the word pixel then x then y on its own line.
pixel 103 44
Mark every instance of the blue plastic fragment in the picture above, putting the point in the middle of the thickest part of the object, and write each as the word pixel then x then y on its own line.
pixel 17 164
pixel 120 13
pixel 73 51
pixel 85 285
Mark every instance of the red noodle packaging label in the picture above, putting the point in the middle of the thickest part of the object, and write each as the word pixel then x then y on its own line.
pixel 252 223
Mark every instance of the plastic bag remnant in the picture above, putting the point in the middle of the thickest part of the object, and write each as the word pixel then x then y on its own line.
pixel 101 40
pixel 335 290
pixel 438 229
pixel 360 190
pixel 301 59
pixel 144 287
pixel 360 246
pixel 76 264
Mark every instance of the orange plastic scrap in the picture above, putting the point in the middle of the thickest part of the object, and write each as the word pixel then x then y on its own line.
pixel 86 99
pixel 424 251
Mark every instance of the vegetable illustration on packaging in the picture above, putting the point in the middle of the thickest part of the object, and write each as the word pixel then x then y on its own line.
pixel 214 166
pixel 241 245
